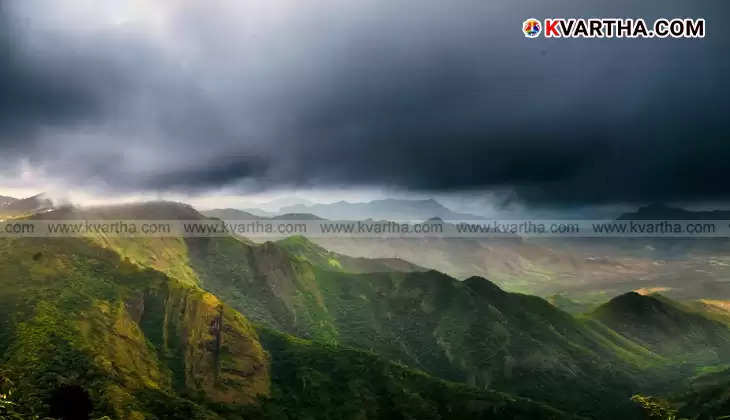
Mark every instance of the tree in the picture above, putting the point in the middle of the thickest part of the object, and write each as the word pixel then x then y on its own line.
pixel 655 408
pixel 8 409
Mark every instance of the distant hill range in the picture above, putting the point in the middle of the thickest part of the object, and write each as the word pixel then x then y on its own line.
pixel 396 209
pixel 10 206
pixel 4 200
pixel 273 207
pixel 235 214
pixel 573 268
pixel 660 211
pixel 232 214
pixel 222 328
pixel 389 209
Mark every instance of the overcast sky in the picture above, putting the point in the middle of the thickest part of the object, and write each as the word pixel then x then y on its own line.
pixel 430 98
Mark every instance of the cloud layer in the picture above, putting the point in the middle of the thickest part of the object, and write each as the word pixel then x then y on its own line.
pixel 182 96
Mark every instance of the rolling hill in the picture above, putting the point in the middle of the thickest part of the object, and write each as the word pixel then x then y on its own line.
pixel 388 209
pixel 308 251
pixel 85 332
pixel 587 270
pixel 667 328
pixel 471 331
pixel 212 321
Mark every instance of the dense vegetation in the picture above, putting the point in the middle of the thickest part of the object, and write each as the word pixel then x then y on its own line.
pixel 667 328
pixel 85 330
pixel 470 332
pixel 142 328
pixel 305 250
pixel 319 381
pixel 76 318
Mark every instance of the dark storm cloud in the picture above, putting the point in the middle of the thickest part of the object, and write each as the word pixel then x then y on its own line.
pixel 32 95
pixel 433 98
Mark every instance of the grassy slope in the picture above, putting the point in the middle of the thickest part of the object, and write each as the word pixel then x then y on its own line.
pixel 474 332
pixel 570 306
pixel 693 336
pixel 455 330
pixel 422 319
pixel 305 250
pixel 667 328
pixel 464 331
pixel 716 309
pixel 318 381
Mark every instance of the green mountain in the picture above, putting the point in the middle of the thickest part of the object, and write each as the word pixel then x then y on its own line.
pixel 88 331
pixel 589 270
pixel 667 328
pixel 206 327
pixel 74 315
pixel 471 331
pixel 308 251
pixel 707 394
pixel 317 381
pixel 716 309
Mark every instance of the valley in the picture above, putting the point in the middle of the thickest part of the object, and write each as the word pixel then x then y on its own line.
pixel 211 327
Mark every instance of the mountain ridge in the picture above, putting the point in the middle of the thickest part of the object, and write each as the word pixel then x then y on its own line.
pixel 139 344
pixel 666 327
pixel 471 332
pixel 14 207
pixel 426 320
pixel 391 209
pixel 659 211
